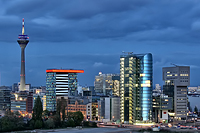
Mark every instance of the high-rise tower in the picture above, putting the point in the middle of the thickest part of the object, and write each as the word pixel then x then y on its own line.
pixel 23 41
pixel 136 77
pixel 177 80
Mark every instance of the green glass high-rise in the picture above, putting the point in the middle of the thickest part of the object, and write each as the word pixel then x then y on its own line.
pixel 136 76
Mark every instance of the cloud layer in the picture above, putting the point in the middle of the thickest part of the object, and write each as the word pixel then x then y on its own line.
pixel 92 34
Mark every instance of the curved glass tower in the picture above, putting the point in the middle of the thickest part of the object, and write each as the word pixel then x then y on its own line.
pixel 136 77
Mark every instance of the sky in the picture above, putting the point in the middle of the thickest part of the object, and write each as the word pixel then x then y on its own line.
pixel 91 35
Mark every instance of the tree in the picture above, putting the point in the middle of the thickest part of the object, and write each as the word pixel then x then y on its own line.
pixel 45 114
pixel 77 117
pixel 11 123
pixel 195 109
pixel 37 109
pixel 49 124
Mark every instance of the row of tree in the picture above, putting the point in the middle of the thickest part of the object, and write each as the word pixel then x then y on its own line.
pixel 43 119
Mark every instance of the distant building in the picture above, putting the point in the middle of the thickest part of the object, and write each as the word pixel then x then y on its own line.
pixel 29 102
pixel 22 102
pixel 103 83
pixel 5 103
pixel 116 85
pixel 74 107
pixel 89 111
pixel 161 105
pixel 177 79
pixel 109 109
pixel 15 87
pixel 60 83
pixel 136 85
pixel 91 88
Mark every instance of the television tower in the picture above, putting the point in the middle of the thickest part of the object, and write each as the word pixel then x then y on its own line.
pixel 23 41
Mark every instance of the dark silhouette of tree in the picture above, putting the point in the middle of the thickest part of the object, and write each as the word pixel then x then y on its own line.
pixel 45 114
pixel 37 114
pixel 11 122
pixel 77 117
pixel 37 109
pixel 196 109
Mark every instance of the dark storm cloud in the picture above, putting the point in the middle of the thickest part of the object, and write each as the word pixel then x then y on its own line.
pixel 141 20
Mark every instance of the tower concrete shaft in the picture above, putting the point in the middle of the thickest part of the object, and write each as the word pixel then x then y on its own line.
pixel 22 75
pixel 23 41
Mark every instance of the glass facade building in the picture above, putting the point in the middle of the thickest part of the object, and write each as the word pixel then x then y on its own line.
pixel 60 83
pixel 136 77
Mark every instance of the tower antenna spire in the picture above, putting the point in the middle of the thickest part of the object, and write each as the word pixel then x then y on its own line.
pixel 23 26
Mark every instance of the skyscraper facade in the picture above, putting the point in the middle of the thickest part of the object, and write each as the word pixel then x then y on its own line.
pixel 136 77
pixel 103 83
pixel 23 41
pixel 60 83
pixel 115 85
pixel 177 79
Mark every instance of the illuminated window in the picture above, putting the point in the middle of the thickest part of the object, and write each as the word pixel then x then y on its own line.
pixel 142 74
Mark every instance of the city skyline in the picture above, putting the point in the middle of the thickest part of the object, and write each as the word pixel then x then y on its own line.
pixel 66 34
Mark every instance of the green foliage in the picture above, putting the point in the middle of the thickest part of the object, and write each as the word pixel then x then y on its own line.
pixel 57 121
pixel 49 124
pixel 86 123
pixel 93 124
pixel 89 124
pixel 63 114
pixel 77 117
pixel 196 109
pixel 37 109
pixel 31 124
pixel 38 124
pixel 70 123
pixel 11 123
pixel 45 114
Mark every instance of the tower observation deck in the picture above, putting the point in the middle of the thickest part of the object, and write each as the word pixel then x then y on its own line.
pixel 23 41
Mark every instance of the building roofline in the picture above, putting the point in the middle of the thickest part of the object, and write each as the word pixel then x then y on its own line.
pixel 65 71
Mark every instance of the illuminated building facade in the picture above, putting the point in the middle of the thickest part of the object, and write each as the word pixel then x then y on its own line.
pixel 116 85
pixel 22 102
pixel 161 105
pixel 103 83
pixel 60 83
pixel 136 75
pixel 177 79
pixel 78 107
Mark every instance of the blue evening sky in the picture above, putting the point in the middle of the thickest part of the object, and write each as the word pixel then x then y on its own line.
pixel 91 35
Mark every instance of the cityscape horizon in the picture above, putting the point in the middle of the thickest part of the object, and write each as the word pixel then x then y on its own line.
pixel 116 64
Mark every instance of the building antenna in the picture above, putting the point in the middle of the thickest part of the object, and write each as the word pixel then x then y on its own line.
pixel 23 26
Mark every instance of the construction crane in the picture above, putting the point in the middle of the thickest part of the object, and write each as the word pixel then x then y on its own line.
pixel 129 53
pixel 174 64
